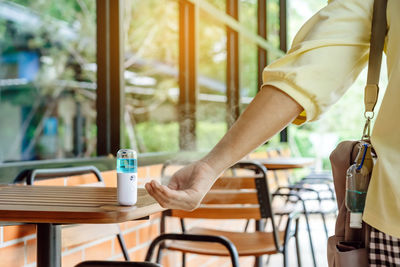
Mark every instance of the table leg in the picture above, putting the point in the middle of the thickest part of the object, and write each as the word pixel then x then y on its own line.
pixel 48 245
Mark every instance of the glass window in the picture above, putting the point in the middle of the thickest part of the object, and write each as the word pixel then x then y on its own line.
pixel 47 79
pixel 248 71
pixel 273 26
pixel 248 53
pixel 211 108
pixel 248 14
pixel 219 4
pixel 151 75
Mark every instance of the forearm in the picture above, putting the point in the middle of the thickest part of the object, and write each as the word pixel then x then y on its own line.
pixel 269 112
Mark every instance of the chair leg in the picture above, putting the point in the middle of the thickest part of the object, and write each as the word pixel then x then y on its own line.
pixel 123 246
pixel 324 222
pixel 258 262
pixel 322 214
pixel 246 226
pixel 183 227
pixel 159 253
pixel 288 235
pixel 333 197
pixel 285 256
pixel 296 237
pixel 268 259
pixel 183 259
pixel 309 234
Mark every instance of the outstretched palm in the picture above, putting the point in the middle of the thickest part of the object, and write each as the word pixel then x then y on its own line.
pixel 186 188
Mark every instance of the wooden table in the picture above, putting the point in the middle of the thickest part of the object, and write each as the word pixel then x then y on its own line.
pixel 51 206
pixel 286 163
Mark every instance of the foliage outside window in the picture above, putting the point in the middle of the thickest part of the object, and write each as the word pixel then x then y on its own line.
pixel 47 79
pixel 151 75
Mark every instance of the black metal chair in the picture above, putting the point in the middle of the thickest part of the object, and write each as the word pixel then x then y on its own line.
pixel 206 239
pixel 232 197
pixel 315 189
pixel 71 232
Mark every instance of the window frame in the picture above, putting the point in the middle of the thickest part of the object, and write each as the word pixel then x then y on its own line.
pixel 110 79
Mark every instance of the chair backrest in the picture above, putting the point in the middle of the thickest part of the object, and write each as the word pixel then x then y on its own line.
pixel 29 176
pixel 244 195
pixel 235 197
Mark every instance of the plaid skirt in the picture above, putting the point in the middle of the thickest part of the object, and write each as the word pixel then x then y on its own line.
pixel 384 250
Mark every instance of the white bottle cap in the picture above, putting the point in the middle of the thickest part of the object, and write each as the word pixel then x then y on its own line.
pixel 356 220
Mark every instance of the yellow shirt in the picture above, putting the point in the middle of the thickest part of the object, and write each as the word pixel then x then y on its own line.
pixel 326 57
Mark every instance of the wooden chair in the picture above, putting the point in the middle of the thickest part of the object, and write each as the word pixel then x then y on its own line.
pixel 232 197
pixel 76 234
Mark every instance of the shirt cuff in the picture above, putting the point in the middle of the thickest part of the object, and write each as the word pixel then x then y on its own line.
pixel 310 110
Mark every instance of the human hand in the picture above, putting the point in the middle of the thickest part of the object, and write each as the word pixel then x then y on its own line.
pixel 186 188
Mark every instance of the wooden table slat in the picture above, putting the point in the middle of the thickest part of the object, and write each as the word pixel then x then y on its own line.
pixel 60 198
pixel 70 204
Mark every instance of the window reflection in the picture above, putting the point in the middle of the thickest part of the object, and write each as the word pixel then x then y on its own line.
pixel 151 75
pixel 211 108
pixel 47 75
pixel 248 53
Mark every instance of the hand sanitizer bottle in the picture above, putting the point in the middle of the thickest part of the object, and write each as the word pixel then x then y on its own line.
pixel 127 177
pixel 357 181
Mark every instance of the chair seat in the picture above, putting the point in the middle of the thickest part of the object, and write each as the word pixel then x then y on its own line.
pixel 247 244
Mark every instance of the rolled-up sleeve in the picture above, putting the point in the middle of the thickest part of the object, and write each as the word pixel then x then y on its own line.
pixel 327 54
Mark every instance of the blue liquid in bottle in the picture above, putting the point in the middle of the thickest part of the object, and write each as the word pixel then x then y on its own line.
pixel 126 165
pixel 127 177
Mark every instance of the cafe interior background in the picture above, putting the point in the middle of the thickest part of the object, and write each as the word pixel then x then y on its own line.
pixel 70 96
